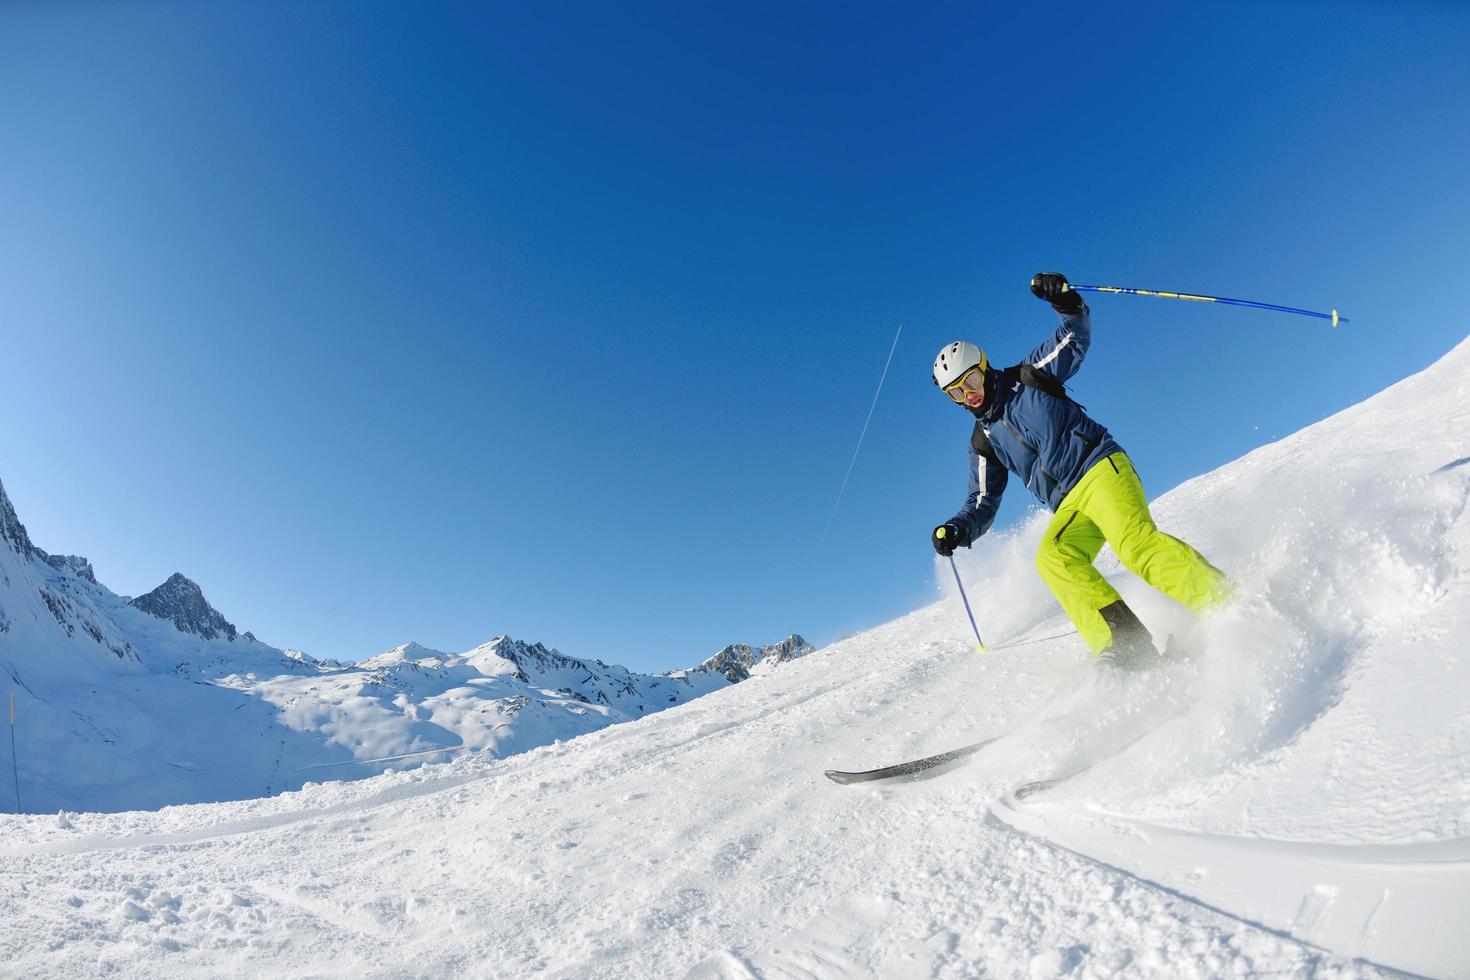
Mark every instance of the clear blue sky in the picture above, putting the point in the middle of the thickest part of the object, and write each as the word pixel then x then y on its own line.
pixel 418 321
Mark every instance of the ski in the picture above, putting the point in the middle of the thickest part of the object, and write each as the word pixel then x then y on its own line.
pixel 1027 790
pixel 914 769
pixel 1020 793
pixel 936 765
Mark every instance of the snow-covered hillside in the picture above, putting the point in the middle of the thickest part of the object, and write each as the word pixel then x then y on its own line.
pixel 1293 798
pixel 129 703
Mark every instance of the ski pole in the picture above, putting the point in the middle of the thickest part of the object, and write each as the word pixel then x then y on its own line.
pixel 966 599
pixel 1334 316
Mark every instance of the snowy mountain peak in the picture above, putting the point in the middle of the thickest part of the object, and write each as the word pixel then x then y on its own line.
pixel 524 659
pixel 410 651
pixel 12 531
pixel 736 661
pixel 180 601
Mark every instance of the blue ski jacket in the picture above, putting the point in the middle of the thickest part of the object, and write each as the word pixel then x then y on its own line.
pixel 1047 441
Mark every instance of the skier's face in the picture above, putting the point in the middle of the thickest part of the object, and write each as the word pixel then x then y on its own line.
pixel 969 390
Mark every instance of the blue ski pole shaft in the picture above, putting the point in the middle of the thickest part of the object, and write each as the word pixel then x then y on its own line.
pixel 966 600
pixel 1334 316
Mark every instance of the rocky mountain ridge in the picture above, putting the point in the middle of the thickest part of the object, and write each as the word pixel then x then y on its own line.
pixel 735 662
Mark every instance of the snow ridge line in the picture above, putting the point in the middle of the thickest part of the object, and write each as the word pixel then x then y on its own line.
pixel 385 758
pixel 394 794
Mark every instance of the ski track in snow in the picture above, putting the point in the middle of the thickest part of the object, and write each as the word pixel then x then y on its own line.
pixel 1289 800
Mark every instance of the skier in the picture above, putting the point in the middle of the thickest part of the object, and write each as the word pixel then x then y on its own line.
pixel 1026 423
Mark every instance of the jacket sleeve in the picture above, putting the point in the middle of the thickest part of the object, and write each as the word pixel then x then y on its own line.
pixel 1062 355
pixel 987 483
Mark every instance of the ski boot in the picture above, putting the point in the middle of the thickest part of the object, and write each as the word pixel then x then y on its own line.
pixel 1132 647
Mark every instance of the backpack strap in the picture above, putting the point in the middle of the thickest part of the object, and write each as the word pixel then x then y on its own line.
pixel 1031 377
pixel 1036 378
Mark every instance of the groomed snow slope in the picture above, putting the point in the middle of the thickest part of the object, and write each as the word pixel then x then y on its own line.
pixel 1311 756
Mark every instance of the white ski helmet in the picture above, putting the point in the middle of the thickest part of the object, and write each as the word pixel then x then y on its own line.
pixel 955 359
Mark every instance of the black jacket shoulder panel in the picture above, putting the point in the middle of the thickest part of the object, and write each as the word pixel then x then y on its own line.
pixel 980 441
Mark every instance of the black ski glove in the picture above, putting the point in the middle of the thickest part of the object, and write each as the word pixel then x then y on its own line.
pixel 947 537
pixel 1052 287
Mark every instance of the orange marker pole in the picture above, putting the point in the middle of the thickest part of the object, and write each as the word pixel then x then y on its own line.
pixel 14 766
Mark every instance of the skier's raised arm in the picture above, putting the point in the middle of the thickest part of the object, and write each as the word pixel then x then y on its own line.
pixel 1062 354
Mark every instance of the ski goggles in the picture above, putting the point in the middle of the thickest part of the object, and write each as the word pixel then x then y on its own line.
pixel 971 380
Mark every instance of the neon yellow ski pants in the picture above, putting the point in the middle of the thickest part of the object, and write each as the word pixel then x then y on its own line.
pixel 1108 505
